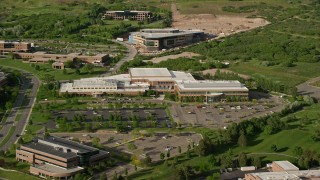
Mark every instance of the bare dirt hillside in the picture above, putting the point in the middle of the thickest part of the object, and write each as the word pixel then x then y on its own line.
pixel 221 25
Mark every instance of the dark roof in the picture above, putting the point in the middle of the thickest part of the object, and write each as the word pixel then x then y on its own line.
pixel 70 144
pixel 50 150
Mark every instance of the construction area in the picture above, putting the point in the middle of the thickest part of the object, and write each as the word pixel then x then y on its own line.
pixel 220 25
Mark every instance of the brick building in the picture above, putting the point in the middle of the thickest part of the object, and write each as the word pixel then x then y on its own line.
pixel 9 46
pixel 55 157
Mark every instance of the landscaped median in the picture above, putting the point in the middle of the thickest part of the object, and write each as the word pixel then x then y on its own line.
pixel 10 133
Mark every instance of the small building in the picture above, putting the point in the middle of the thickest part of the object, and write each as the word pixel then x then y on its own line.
pixel 128 15
pixel 159 39
pixel 13 46
pixel 279 166
pixel 57 65
pixel 54 157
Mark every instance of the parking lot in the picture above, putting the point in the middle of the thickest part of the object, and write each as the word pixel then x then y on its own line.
pixel 151 145
pixel 219 115
pixel 157 115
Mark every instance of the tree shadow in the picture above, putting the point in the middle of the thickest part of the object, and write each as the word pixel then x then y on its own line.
pixel 282 149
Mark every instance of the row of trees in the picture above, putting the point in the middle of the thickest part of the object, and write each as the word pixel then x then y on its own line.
pixel 9 91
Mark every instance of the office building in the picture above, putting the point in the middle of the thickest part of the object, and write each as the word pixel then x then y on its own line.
pixel 129 15
pixel 285 175
pixel 149 40
pixel 140 80
pixel 12 46
pixel 284 170
pixel 43 57
pixel 54 157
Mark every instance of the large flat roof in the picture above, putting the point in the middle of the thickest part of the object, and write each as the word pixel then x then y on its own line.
pixel 292 175
pixel 69 144
pixel 210 85
pixel 50 150
pixel 286 165
pixel 149 72
pixel 165 35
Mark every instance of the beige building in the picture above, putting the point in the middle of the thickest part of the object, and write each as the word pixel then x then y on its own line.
pixel 43 57
pixel 8 46
pixel 284 170
pixel 130 15
pixel 54 157
pixel 57 65
pixel 140 80
pixel 158 39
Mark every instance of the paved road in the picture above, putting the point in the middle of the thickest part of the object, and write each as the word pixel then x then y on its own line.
pixel 306 89
pixel 26 110
pixel 132 52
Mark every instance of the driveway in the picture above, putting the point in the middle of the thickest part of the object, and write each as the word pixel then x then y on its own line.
pixel 132 52
pixel 306 89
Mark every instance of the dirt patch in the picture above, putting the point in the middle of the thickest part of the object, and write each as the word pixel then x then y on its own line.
pixel 212 72
pixel 156 60
pixel 220 25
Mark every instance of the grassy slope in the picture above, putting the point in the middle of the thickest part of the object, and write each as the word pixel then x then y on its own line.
pixel 292 75
pixel 16 175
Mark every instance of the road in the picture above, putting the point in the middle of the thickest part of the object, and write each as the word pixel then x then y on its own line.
pixel 27 80
pixel 132 52
pixel 307 89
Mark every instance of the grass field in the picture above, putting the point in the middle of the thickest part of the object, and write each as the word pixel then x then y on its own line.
pixel 15 175
pixel 292 75
pixel 6 139
pixel 46 69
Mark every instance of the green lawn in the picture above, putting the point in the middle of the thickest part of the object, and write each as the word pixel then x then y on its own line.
pixel 16 175
pixel 291 75
pixel 46 69
pixel 6 139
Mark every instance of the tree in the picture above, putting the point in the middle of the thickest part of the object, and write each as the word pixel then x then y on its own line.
pixel 168 154
pixel 205 147
pixel 162 156
pixel 176 159
pixel 126 172
pixel 242 159
pixel 103 176
pixel 188 154
pixel 65 71
pixel 274 148
pixel 89 68
pixel 77 71
pixel 96 141
pixel 257 162
pixel 183 173
pixel 37 67
pixel 297 151
pixel 179 149
pixel 88 127
pixel 242 140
